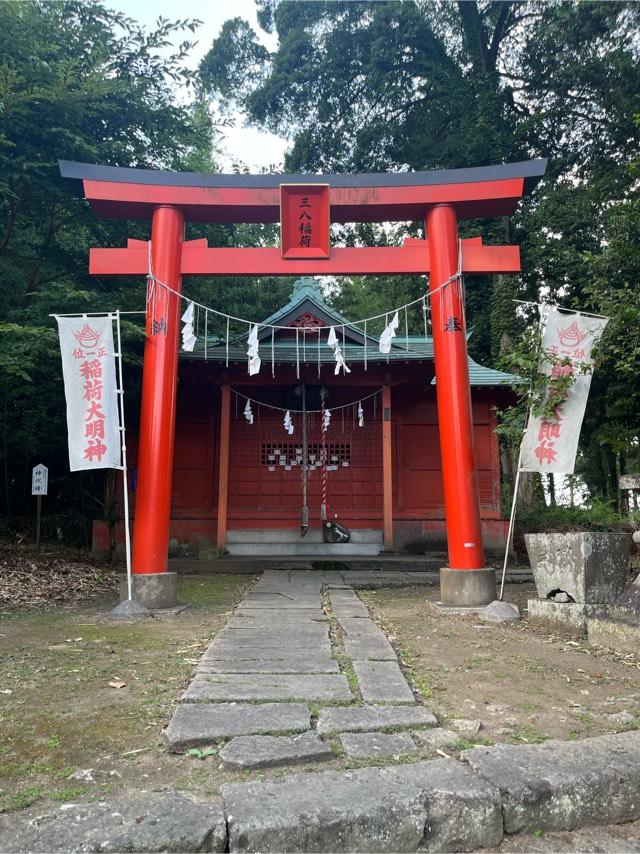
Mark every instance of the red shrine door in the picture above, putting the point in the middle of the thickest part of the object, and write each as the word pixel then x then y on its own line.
pixel 265 475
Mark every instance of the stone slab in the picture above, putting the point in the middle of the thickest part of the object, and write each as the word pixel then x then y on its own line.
pixel 369 648
pixel 376 745
pixel 572 615
pixel 382 682
pixel 263 751
pixel 354 627
pixel 621 635
pixel 437 806
pixel 221 687
pixel 259 619
pixel 276 632
pixel 149 823
pixel 285 665
pixel 350 611
pixel 564 785
pixel 436 738
pixel 198 725
pixel 464 813
pixel 255 650
pixel 365 718
pixel 214 655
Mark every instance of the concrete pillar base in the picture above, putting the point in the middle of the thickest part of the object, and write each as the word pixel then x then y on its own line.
pixel 154 590
pixel 468 588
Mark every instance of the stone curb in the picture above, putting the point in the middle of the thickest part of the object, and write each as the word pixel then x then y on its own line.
pixel 439 805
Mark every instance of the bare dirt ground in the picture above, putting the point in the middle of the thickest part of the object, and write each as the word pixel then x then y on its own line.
pixel 526 683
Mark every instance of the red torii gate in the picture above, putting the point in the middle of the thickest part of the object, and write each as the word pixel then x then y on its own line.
pixel 438 198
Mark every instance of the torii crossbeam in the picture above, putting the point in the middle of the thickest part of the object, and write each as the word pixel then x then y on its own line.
pixel 305 205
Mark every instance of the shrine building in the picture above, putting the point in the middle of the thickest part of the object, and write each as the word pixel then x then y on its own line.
pixel 262 511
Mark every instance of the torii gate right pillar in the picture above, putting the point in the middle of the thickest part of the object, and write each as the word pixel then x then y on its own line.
pixel 466 581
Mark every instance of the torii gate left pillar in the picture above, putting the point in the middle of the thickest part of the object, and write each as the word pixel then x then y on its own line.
pixel 154 586
pixel 439 198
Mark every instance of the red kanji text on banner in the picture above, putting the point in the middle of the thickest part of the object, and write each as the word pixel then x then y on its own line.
pixel 88 369
pixel 551 444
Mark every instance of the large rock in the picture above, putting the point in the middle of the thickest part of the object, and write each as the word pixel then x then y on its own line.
pixel 382 681
pixel 591 567
pixel 563 785
pixel 435 806
pixel 364 718
pixel 146 823
pixel 500 612
pixel 259 686
pixel 263 751
pixel 198 725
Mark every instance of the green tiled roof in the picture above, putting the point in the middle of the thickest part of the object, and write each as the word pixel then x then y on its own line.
pixel 412 349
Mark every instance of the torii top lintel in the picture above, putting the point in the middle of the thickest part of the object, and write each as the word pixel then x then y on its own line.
pixel 478 192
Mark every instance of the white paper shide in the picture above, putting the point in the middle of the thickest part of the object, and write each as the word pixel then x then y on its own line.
pixel 89 372
pixel 551 445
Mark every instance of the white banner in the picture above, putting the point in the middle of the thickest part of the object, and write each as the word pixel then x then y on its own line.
pixel 551 445
pixel 89 371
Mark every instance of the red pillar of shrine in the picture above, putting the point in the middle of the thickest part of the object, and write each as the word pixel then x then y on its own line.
pixel 465 582
pixel 154 586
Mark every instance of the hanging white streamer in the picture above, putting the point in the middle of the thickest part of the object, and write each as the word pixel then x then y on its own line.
pixel 252 351
pixel 188 338
pixel 332 341
pixel 248 412
pixel 326 421
pixel 288 423
pixel 360 414
pixel 389 333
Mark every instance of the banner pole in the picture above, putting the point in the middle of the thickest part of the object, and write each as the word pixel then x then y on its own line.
pixel 123 446
pixel 512 519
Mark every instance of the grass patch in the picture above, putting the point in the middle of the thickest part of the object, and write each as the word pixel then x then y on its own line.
pixel 21 799
pixel 470 743
pixel 68 793
pixel 528 734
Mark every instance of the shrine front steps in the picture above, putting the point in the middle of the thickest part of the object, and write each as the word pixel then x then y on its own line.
pixel 276 542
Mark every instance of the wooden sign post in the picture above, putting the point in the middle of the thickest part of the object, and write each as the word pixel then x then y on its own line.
pixel 39 485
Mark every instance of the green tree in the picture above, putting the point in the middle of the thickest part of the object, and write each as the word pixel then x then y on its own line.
pixel 365 86
pixel 76 82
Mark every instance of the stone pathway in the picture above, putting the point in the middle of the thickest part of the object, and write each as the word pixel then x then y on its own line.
pixel 301 674
pixel 299 638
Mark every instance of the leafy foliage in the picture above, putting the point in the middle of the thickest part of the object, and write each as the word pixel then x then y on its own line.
pixel 366 86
